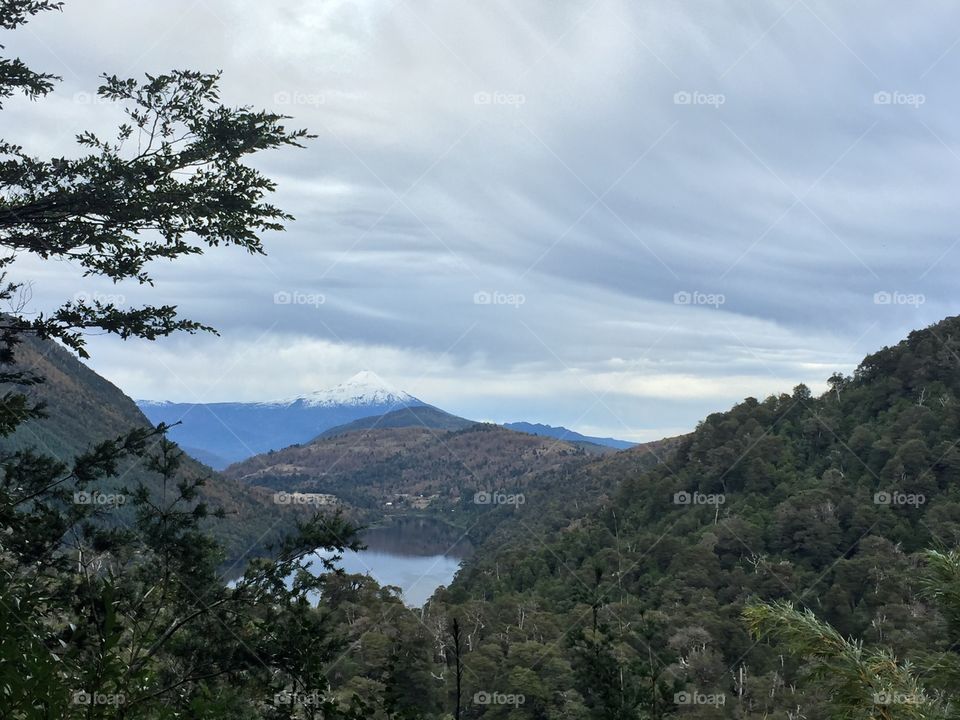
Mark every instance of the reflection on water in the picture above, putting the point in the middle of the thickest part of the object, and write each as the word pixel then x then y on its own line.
pixel 417 537
pixel 418 555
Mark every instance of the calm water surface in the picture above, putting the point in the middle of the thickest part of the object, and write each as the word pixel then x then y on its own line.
pixel 418 555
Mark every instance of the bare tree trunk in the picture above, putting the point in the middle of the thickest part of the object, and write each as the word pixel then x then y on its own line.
pixel 458 665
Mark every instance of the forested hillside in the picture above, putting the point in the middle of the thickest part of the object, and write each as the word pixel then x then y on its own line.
pixel 634 609
pixel 409 467
pixel 83 409
pixel 795 557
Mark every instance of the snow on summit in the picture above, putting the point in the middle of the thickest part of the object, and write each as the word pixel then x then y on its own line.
pixel 226 432
pixel 364 388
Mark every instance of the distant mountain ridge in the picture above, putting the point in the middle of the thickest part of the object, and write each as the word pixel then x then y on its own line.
pixel 562 433
pixel 428 416
pixel 225 433
pixel 364 389
pixel 221 434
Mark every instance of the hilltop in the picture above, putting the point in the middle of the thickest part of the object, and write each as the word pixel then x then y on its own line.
pixel 368 468
pixel 425 416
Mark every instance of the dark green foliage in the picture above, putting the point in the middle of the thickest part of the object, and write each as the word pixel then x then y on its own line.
pixel 15 75
pixel 863 682
pixel 171 183
pixel 111 603
pixel 614 590
pixel 140 617
pixel 828 503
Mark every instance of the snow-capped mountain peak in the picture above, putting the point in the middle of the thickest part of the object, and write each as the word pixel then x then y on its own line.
pixel 364 388
pixel 230 431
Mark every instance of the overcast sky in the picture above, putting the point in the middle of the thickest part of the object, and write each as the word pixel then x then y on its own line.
pixel 614 216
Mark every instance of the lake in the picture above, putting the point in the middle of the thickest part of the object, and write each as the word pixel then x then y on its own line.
pixel 416 554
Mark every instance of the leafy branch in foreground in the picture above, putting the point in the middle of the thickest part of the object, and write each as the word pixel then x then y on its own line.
pixel 111 603
pixel 15 75
pixel 870 682
pixel 861 682
pixel 172 182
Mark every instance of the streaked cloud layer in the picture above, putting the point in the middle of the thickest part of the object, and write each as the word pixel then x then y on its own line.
pixel 609 215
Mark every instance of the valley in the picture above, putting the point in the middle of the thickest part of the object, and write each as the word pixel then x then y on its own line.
pixel 527 537
pixel 531 361
pixel 412 476
pixel 434 472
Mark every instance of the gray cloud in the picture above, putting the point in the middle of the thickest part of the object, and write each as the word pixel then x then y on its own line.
pixel 598 160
